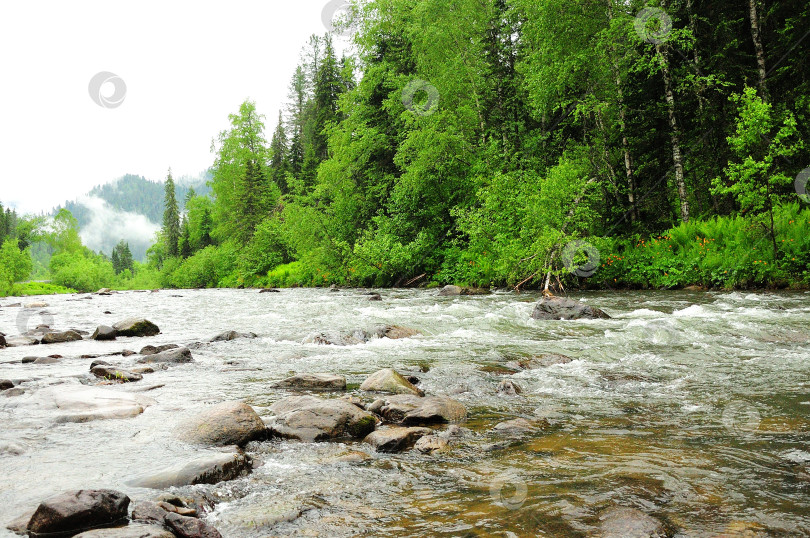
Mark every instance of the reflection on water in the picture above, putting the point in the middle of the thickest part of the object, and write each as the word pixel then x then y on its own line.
pixel 693 407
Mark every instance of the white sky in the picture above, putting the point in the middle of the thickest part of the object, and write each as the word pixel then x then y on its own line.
pixel 186 65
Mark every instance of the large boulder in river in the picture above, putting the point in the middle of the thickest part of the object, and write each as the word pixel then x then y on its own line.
pixel 136 327
pixel 78 403
pixel 313 382
pixel 70 513
pixel 57 337
pixel 228 423
pixel 623 522
pixel 564 308
pixel 178 355
pixel 309 418
pixel 412 410
pixel 208 469
pixel 389 380
pixel 104 332
pixel 395 438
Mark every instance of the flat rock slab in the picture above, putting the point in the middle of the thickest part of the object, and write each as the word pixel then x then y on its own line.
pixel 623 522
pixel 133 530
pixel 520 427
pixel 72 512
pixel 389 380
pixel 395 438
pixel 313 382
pixel 78 403
pixel 136 327
pixel 209 469
pixel 228 423
pixel 112 373
pixel 309 418
pixel 413 410
pixel 57 337
pixel 564 308
pixel 180 355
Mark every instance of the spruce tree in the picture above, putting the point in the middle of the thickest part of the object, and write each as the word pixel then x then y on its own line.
pixel 171 219
pixel 185 239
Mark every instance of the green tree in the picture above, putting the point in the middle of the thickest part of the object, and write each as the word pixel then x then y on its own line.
pixel 15 265
pixel 171 218
pixel 122 258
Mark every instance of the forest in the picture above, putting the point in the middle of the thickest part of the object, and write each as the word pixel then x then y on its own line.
pixel 517 143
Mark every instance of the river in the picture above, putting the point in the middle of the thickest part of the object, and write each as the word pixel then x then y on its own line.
pixel 691 406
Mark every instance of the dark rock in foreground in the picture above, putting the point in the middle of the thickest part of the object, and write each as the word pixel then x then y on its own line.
pixel 622 522
pixel 209 469
pixel 73 512
pixel 133 530
pixel 228 423
pixel 136 327
pixel 564 308
pixel 309 418
pixel 313 382
pixel 104 332
pixel 5 384
pixel 395 438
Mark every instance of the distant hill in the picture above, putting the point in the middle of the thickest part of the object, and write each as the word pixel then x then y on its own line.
pixel 129 208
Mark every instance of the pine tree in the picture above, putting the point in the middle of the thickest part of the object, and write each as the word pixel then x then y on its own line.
pixel 185 239
pixel 171 218
pixel 122 258
pixel 279 163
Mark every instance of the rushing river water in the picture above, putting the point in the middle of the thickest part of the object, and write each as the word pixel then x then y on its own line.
pixel 693 407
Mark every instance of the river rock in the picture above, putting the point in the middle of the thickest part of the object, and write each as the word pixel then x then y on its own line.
pixel 104 291
pixel 412 410
pixel 104 332
pixel 179 355
pixel 133 530
pixel 309 418
pixel 36 305
pixel 57 337
pixel 269 290
pixel 509 388
pixel 431 443
pixel 98 363
pixel 72 512
pixel 313 382
pixel 2 340
pixel 154 350
pixel 115 374
pixel 623 522
pixel 190 527
pixel 452 291
pixel 564 308
pixel 389 380
pixel 395 438
pixel 45 360
pixel 209 469
pixel 227 423
pixel 375 297
pixel 10 393
pixel 231 335
pixel 5 384
pixel 21 340
pixel 136 327
pixel 78 403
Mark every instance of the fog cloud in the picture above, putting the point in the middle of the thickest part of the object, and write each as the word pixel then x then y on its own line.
pixel 106 226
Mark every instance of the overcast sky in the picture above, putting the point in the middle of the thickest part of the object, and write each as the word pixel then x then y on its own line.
pixel 186 66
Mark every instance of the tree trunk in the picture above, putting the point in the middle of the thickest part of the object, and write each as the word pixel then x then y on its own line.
pixel 675 134
pixel 756 36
